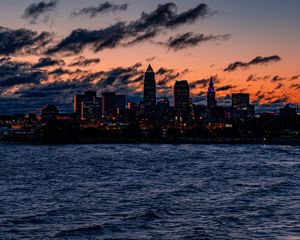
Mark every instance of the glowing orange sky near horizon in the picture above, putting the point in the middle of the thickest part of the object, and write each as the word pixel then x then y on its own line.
pixel 261 34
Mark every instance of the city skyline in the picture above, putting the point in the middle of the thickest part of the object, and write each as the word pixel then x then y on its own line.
pixel 114 43
pixel 180 97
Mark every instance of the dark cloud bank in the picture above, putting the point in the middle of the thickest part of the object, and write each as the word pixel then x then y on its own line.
pixel 36 11
pixel 23 41
pixel 189 39
pixel 256 61
pixel 35 89
pixel 84 62
pixel 105 7
pixel 148 26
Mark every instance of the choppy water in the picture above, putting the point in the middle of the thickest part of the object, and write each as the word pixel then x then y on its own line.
pixel 149 192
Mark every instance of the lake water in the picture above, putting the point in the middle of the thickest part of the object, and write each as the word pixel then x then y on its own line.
pixel 149 192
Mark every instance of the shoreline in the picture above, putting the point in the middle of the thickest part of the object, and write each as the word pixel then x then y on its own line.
pixel 275 141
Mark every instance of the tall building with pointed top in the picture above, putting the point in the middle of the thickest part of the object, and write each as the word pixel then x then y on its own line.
pixel 149 87
pixel 211 95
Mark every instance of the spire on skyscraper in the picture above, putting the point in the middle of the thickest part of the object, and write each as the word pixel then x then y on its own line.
pixel 149 87
pixel 211 94
pixel 149 69
pixel 211 88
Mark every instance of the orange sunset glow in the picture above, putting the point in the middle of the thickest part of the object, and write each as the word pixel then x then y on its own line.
pixel 191 41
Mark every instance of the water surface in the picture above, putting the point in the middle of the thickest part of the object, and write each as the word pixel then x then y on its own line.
pixel 149 192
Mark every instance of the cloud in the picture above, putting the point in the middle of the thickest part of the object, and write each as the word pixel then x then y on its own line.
pixel 295 86
pixel 84 62
pixel 226 88
pixel 203 83
pixel 9 67
pixel 37 10
pixel 143 37
pixel 166 16
pixel 59 71
pixel 98 40
pixel 296 77
pixel 256 61
pixel 254 78
pixel 22 41
pixel 279 86
pixel 105 7
pixel 277 102
pixel 150 59
pixel 148 26
pixel 26 78
pixel 167 76
pixel 48 62
pixel 34 90
pixel 259 96
pixel 18 73
pixel 120 76
pixel 274 79
pixel 277 79
pixel 189 39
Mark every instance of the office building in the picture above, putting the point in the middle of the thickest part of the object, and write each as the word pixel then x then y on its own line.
pixel 288 112
pixel 181 97
pixel 211 95
pixel 120 102
pixel 163 107
pixel 108 103
pixel 149 87
pixel 90 111
pixel 86 98
pixel 240 105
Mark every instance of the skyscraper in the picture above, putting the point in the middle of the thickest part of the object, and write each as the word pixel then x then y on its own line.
pixel 120 102
pixel 90 110
pixel 108 103
pixel 181 96
pixel 87 97
pixel 240 105
pixel 149 87
pixel 211 95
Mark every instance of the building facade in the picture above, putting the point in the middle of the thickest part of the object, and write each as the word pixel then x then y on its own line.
pixel 88 98
pixel 149 87
pixel 211 95
pixel 240 105
pixel 108 103
pixel 181 97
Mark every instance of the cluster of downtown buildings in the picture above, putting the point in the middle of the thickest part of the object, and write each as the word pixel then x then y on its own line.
pixel 90 108
pixel 110 118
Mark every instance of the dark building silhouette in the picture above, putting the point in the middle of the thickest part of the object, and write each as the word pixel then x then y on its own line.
pixel 163 107
pixel 49 113
pixel 211 95
pixel 288 112
pixel 149 87
pixel 181 97
pixel 90 110
pixel 240 105
pixel 216 114
pixel 108 103
pixel 132 106
pixel 88 98
pixel 120 102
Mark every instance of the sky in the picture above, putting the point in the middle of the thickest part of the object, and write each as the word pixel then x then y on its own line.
pixel 51 50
